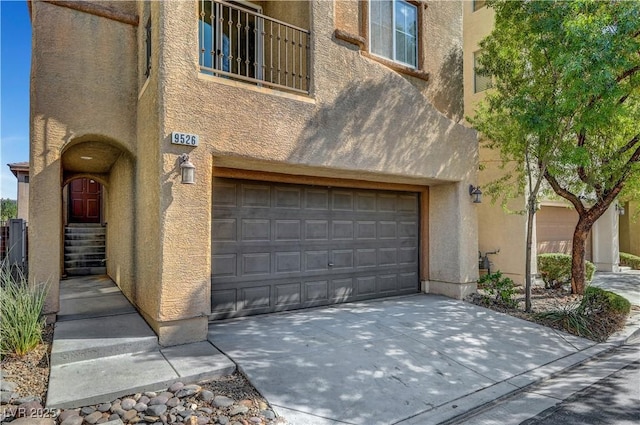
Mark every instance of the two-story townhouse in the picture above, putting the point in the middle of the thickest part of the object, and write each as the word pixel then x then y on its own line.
pixel 501 233
pixel 329 164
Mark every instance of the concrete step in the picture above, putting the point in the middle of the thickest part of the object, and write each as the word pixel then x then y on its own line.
pixel 83 256
pixel 84 271
pixel 87 339
pixel 104 379
pixel 79 249
pixel 83 263
pixel 84 242
pixel 84 236
pixel 97 230
pixel 624 268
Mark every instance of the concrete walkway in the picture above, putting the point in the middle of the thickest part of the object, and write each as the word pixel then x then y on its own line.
pixel 103 349
pixel 412 360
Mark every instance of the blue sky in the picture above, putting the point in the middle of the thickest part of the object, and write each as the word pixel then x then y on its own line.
pixel 15 63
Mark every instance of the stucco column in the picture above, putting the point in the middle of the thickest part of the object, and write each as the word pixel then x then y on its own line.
pixel 605 241
pixel 45 228
pixel 453 241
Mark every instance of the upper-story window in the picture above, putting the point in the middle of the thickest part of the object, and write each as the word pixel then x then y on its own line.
pixel 480 82
pixel 479 4
pixel 393 31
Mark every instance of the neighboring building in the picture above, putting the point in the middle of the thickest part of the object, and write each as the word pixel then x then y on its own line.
pixel 330 165
pixel 555 221
pixel 21 171
pixel 630 228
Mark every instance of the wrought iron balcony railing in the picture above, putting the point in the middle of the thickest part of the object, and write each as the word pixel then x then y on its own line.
pixel 241 43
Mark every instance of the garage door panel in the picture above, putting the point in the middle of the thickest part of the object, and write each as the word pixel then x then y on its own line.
pixel 277 246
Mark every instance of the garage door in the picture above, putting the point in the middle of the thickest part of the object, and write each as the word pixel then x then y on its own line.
pixel 554 230
pixel 280 246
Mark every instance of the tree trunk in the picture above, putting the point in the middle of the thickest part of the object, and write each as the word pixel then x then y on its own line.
pixel 578 260
pixel 531 211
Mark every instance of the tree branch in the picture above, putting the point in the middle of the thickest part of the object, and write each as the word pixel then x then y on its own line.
pixel 577 203
pixel 629 145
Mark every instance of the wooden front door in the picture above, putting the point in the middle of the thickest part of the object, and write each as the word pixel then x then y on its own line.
pixel 84 201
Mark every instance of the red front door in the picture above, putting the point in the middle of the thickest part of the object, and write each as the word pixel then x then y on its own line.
pixel 84 201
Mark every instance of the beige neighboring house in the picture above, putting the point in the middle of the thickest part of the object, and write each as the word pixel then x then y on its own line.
pixel 555 221
pixel 630 228
pixel 21 171
pixel 330 161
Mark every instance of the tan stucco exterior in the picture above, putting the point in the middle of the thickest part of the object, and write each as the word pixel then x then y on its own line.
pixel 630 229
pixel 361 120
pixel 21 171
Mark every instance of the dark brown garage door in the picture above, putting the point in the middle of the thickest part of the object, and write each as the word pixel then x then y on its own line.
pixel 280 246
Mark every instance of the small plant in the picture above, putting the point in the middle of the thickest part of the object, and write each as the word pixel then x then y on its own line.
pixel 555 270
pixel 21 306
pixel 630 260
pixel 499 289
pixel 598 315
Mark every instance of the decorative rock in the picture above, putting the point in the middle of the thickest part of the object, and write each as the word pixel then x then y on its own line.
pixel 120 412
pixel 130 414
pixel 87 410
pixel 158 400
pixel 222 401
pixel 238 410
pixel 255 420
pixel 188 391
pixel 166 394
pixel 113 417
pixel 206 410
pixel 268 414
pixel 29 409
pixel 150 419
pixel 185 413
pixel 137 396
pixel 66 414
pixel 115 406
pixel 144 399
pixel 206 395
pixel 202 420
pixel 180 408
pixel 262 405
pixel 172 418
pixel 151 394
pixel 101 421
pixel 173 402
pixel 7 396
pixel 223 420
pixel 135 420
pixel 93 417
pixel 140 407
pixel 34 421
pixel 156 410
pixel 73 420
pixel 247 403
pixel 128 403
pixel 27 399
pixel 8 386
pixel 104 407
pixel 175 387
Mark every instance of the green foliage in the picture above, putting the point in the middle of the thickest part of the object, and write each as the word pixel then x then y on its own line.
pixel 630 260
pixel 20 309
pixel 599 314
pixel 555 269
pixel 8 209
pixel 499 289
pixel 565 102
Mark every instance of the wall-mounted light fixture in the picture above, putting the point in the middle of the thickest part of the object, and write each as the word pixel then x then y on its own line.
pixel 187 169
pixel 475 193
pixel 620 209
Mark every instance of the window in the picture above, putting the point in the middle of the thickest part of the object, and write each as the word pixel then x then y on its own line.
pixel 393 29
pixel 147 69
pixel 480 82
pixel 479 4
pixel 26 179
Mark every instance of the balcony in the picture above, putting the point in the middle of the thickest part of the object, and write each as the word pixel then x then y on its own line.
pixel 239 42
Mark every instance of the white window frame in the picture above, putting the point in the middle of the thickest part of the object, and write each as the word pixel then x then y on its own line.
pixel 393 35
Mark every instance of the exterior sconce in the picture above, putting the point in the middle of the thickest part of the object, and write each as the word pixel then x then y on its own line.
pixel 187 169
pixel 475 193
pixel 620 209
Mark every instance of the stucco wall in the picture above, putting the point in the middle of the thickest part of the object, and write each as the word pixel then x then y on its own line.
pixel 630 229
pixel 361 117
pixel 23 196
pixel 120 216
pixel 77 93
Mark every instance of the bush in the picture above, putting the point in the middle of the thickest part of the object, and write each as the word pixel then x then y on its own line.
pixel 499 289
pixel 630 260
pixel 555 270
pixel 20 309
pixel 599 314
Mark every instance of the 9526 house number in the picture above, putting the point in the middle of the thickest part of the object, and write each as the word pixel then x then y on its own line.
pixel 184 139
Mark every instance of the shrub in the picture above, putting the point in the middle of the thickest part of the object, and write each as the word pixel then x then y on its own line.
pixel 499 289
pixel 555 269
pixel 20 309
pixel 630 260
pixel 599 314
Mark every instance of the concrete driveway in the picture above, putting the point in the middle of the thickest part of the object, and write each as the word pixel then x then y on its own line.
pixel 412 360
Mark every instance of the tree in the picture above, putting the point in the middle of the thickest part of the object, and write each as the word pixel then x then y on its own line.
pixel 566 102
pixel 8 209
